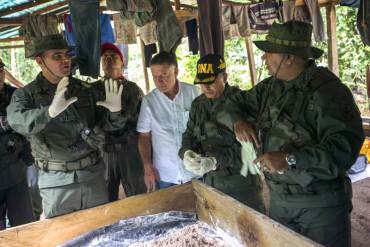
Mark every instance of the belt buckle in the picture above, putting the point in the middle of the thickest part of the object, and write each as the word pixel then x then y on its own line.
pixel 45 165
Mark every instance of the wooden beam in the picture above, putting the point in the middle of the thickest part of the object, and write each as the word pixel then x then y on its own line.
pixel 243 223
pixel 368 83
pixel 177 4
pixel 251 62
pixel 18 38
pixel 21 7
pixel 49 8
pixel 331 20
pixel 11 21
pixel 146 76
pixel 56 231
pixel 11 46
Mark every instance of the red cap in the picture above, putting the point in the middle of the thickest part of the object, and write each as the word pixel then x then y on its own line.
pixel 112 47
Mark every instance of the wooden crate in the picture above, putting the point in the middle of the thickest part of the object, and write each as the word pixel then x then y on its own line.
pixel 213 207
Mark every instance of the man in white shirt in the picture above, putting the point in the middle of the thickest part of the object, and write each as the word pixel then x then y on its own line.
pixel 162 120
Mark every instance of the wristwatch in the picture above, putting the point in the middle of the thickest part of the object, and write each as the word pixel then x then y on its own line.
pixel 291 160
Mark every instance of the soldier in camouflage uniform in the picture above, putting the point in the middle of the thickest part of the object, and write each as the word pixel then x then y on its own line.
pixel 310 133
pixel 15 200
pixel 120 151
pixel 58 114
pixel 217 152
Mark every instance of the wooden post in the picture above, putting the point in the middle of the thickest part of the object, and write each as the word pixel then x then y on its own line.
pixel 251 62
pixel 147 85
pixel 332 38
pixel 177 4
pixel 368 84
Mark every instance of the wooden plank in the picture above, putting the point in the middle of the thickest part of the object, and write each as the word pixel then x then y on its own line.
pixel 19 38
pixel 251 62
pixel 331 19
pixel 145 70
pixel 177 4
pixel 50 8
pixel 11 21
pixel 21 7
pixel 55 231
pixel 11 47
pixel 247 225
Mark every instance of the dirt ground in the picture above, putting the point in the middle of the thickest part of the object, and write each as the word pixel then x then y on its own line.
pixel 361 213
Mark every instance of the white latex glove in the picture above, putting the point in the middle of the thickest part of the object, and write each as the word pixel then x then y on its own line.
pixel 197 164
pixel 32 175
pixel 112 96
pixel 248 156
pixel 60 103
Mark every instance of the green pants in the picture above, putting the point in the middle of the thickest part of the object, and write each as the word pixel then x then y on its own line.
pixel 79 195
pixel 246 190
pixel 329 226
pixel 123 165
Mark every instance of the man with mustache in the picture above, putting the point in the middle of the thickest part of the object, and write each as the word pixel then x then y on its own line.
pixel 57 113
pixel 120 150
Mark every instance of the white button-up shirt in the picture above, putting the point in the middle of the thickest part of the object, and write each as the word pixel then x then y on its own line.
pixel 166 120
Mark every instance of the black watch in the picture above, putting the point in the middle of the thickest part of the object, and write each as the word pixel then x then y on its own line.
pixel 291 160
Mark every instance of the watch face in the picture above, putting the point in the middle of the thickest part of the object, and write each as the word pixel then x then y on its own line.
pixel 291 159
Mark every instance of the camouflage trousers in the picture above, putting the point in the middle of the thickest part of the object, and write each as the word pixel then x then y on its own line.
pixel 329 226
pixel 246 190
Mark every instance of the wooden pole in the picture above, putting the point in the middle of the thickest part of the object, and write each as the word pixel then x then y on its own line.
pixel 368 84
pixel 332 38
pixel 177 4
pixel 251 62
pixel 147 85
pixel 11 46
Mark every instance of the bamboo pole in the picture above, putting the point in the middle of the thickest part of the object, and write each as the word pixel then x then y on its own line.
pixel 332 38
pixel 251 62
pixel 147 85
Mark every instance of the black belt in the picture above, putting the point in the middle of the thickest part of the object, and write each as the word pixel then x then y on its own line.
pixel 51 165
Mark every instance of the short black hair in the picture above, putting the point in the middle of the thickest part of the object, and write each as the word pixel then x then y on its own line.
pixel 164 57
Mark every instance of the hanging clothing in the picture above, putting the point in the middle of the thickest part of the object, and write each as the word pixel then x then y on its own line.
pixel 107 35
pixel 235 21
pixel 38 26
pixel 363 21
pixel 149 51
pixel 192 32
pixel 125 29
pixel 309 13
pixel 86 26
pixel 211 38
pixel 262 15
pixel 148 33
pixel 142 11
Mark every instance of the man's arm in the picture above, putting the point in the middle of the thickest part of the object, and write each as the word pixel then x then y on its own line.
pixel 145 150
pixel 339 130
pixel 190 141
pixel 23 118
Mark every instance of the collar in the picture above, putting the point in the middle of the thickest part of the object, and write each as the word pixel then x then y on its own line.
pixel 44 84
pixel 302 81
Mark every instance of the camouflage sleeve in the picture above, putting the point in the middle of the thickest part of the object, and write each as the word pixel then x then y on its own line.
pixel 26 154
pixel 243 105
pixel 189 139
pixel 339 132
pixel 22 117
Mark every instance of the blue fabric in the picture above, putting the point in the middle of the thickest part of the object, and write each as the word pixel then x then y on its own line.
pixel 163 185
pixel 192 32
pixel 107 35
pixel 86 26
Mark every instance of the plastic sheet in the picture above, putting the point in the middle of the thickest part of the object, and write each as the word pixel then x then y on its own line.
pixel 133 230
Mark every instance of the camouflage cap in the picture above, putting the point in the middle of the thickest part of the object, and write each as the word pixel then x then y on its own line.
pixel 208 67
pixel 45 43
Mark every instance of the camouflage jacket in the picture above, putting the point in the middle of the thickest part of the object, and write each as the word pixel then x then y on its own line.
pixel 14 151
pixel 207 136
pixel 313 117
